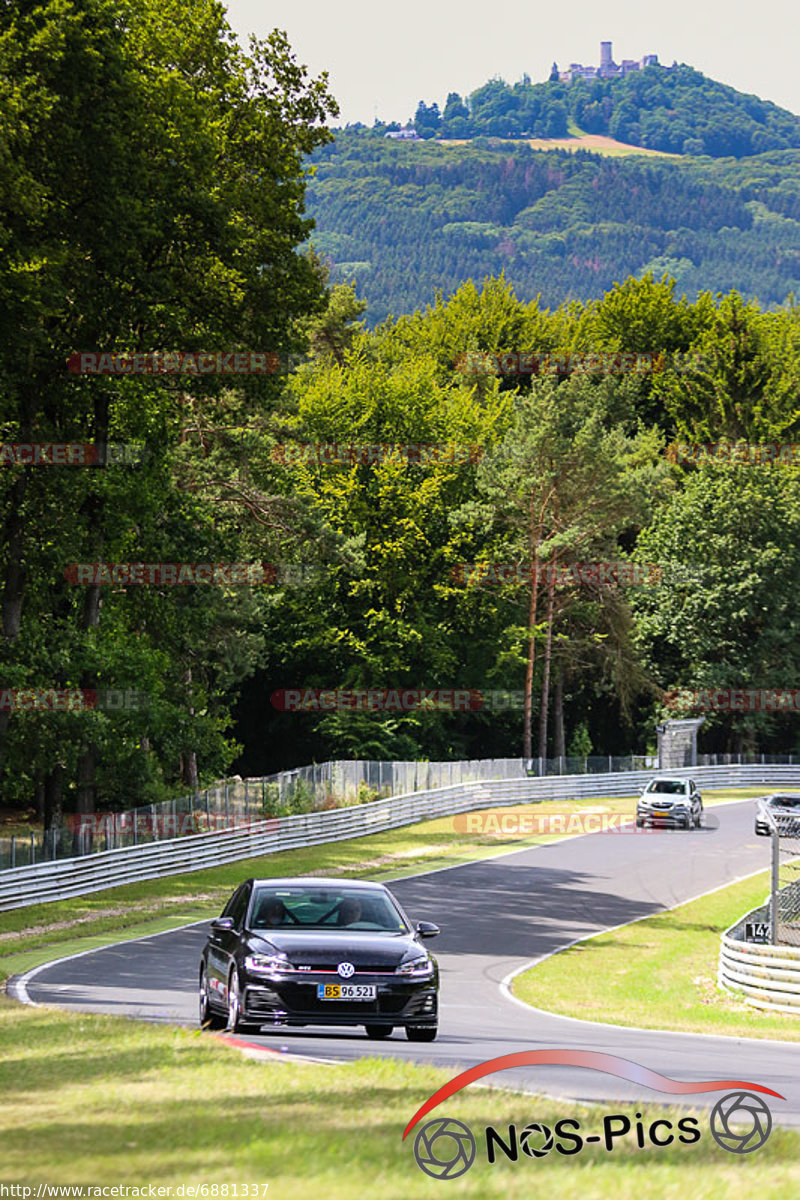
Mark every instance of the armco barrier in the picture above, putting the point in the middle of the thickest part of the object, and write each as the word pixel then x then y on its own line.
pixel 764 976
pixel 22 886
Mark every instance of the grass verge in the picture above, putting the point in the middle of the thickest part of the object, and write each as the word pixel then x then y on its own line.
pixel 106 1101
pixel 659 973
pixel 29 936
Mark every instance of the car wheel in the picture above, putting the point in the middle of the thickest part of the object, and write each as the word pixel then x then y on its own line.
pixel 640 823
pixel 235 1024
pixel 208 1018
pixel 698 821
pixel 379 1031
pixel 415 1034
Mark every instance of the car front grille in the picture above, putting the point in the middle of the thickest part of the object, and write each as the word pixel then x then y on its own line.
pixel 305 1000
pixel 332 969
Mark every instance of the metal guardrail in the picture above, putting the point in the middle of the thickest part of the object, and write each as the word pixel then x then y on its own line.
pixel 57 880
pixel 229 803
pixel 320 786
pixel 765 976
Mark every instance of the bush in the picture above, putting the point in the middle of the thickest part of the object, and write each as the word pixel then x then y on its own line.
pixel 367 793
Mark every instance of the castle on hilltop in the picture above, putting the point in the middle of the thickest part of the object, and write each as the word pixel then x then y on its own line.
pixel 608 69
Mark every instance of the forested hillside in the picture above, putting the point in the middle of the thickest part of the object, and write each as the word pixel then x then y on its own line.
pixel 676 109
pixel 586 450
pixel 405 219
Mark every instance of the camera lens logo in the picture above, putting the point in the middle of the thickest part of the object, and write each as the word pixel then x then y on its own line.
pixel 444 1149
pixel 740 1122
pixel 536 1140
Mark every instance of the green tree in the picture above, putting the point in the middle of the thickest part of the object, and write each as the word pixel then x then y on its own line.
pixel 566 482
pixel 152 198
pixel 729 619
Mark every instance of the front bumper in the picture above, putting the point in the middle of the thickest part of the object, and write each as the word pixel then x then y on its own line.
pixel 671 818
pixel 279 1001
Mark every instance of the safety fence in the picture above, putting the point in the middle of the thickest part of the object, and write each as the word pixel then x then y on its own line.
pixel 232 803
pixel 321 786
pixel 256 835
pixel 786 877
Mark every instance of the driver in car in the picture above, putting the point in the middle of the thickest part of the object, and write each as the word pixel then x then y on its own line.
pixel 272 913
pixel 349 911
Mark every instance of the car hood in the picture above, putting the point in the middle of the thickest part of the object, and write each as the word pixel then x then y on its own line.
pixel 326 950
pixel 663 798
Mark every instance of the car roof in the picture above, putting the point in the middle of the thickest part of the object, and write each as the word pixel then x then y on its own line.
pixel 668 779
pixel 353 885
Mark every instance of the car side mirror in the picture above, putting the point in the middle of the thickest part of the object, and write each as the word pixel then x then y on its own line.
pixel 426 929
pixel 222 923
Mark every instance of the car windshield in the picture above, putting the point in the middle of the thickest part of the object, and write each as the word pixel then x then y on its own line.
pixel 785 802
pixel 299 908
pixel 668 787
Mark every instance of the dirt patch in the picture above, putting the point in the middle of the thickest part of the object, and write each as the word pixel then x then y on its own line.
pixel 99 914
pixel 597 142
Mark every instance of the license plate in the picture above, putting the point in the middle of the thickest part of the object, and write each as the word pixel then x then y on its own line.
pixel 660 812
pixel 345 991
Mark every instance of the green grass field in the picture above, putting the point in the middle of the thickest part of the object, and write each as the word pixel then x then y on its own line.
pixel 102 1100
pixel 659 973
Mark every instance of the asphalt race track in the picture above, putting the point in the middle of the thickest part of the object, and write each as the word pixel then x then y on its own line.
pixel 496 917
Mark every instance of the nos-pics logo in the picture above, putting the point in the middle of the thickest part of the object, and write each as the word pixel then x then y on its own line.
pixel 444 1148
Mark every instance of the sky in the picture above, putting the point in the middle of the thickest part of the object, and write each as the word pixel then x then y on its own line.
pixel 383 59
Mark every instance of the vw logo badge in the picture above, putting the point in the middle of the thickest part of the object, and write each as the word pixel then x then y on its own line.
pixel 346 969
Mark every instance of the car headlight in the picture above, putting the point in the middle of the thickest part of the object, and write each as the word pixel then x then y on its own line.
pixel 268 964
pixel 416 968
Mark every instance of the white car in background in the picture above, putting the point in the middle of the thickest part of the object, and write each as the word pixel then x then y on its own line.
pixel 672 802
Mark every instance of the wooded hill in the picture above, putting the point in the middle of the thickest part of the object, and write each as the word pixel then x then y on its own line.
pixel 676 109
pixel 403 220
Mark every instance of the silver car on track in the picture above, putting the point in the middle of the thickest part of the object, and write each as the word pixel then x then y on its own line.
pixel 672 802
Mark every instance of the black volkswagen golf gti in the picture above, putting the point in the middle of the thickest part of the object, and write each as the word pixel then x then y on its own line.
pixel 318 952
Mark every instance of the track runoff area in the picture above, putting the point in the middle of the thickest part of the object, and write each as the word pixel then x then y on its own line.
pixel 498 917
